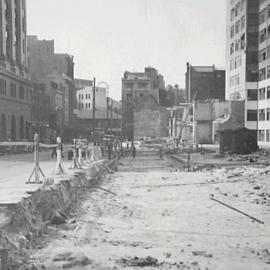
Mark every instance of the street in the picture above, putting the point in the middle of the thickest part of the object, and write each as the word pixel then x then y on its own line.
pixel 154 216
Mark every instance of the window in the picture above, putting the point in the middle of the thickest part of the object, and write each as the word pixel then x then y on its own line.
pixel 129 97
pixel 252 94
pixel 262 74
pixel 252 115
pixel 262 115
pixel 237 9
pixel 261 93
pixel 262 35
pixel 3 87
pixel 237 62
pixel 262 17
pixel 231 64
pixel 142 85
pixel 243 22
pixel 232 14
pixel 268 92
pixel 268 114
pixel 268 52
pixel 268 135
pixel 21 92
pixel 237 27
pixel 243 41
pixel 237 79
pixel 129 85
pixel 13 90
pixel 232 48
pixel 237 45
pixel 261 135
pixel 262 55
pixel 268 72
pixel 232 31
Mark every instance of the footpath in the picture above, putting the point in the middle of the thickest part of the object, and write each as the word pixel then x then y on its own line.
pixel 27 209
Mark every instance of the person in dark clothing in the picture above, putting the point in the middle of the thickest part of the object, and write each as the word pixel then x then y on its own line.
pixel 109 151
pixel 133 151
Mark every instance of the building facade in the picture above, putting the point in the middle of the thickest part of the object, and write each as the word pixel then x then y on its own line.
pixel 85 98
pixel 136 85
pixel 54 73
pixel 15 85
pixel 264 73
pixel 242 56
pixel 204 82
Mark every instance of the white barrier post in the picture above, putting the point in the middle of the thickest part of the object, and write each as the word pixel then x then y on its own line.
pixel 59 166
pixel 37 168
pixel 80 155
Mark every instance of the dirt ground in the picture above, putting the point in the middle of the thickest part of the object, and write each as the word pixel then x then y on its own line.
pixel 162 218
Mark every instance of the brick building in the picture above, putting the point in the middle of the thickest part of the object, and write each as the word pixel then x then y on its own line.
pixel 15 86
pixel 204 82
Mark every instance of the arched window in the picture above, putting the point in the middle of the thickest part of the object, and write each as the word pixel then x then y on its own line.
pixel 13 128
pixel 21 127
pixel 3 127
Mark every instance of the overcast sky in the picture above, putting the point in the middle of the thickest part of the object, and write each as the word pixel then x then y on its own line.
pixel 108 37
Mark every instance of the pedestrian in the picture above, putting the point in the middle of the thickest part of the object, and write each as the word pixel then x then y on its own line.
pixel 133 151
pixel 160 152
pixel 109 151
pixel 127 150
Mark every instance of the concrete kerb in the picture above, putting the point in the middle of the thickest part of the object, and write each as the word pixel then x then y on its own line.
pixel 29 219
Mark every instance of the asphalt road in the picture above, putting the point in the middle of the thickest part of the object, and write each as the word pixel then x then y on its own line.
pixel 161 218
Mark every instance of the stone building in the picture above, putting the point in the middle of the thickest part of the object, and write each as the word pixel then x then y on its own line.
pixel 136 85
pixel 54 74
pixel 15 86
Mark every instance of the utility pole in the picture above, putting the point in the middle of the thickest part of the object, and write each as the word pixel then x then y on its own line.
pixel 94 107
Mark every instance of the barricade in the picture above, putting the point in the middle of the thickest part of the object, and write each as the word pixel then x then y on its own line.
pixel 59 169
pixel 84 153
pixel 37 170
pixel 79 145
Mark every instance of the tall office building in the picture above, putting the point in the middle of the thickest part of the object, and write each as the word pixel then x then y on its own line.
pixel 264 73
pixel 15 86
pixel 242 56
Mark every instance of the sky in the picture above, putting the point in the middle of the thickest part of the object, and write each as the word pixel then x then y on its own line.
pixel 108 37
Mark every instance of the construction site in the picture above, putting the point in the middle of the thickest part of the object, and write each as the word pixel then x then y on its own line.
pixel 152 211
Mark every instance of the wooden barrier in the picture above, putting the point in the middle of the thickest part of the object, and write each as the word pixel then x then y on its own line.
pixel 59 169
pixel 37 170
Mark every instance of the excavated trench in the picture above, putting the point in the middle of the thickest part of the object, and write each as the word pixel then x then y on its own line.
pixel 22 224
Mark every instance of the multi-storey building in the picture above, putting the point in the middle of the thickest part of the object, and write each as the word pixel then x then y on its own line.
pixel 15 85
pixel 242 56
pixel 53 74
pixel 264 73
pixel 136 85
pixel 85 98
pixel 204 82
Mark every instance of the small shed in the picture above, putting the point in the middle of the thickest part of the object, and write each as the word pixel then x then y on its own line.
pixel 238 141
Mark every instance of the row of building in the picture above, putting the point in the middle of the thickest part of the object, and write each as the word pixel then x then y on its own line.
pixel 248 61
pixel 246 79
pixel 38 91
